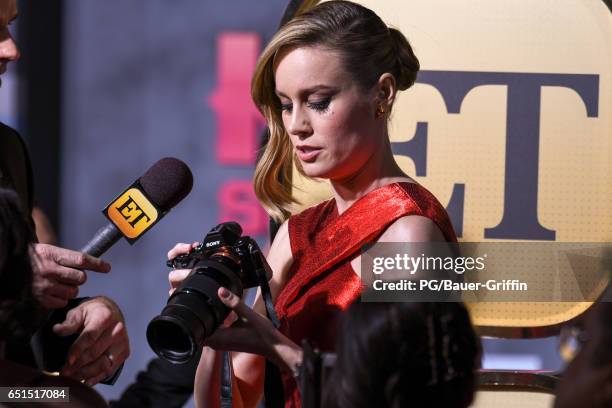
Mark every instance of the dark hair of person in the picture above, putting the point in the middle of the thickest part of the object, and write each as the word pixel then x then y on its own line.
pixel 404 355
pixel 602 325
pixel 19 310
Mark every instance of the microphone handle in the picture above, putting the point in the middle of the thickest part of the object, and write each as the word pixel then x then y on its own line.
pixel 105 238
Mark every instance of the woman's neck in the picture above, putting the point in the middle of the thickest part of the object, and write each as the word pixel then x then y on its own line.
pixel 379 171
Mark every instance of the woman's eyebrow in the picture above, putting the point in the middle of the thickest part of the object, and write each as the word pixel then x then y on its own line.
pixel 308 91
pixel 280 94
pixel 316 88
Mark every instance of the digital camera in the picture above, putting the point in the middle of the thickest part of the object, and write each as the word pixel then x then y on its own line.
pixel 225 258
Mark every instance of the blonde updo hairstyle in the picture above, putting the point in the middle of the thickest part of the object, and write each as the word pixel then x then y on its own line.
pixel 367 48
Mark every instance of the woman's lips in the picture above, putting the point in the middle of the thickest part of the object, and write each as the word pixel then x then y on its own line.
pixel 307 153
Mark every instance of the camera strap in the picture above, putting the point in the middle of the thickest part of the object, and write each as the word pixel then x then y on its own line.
pixel 273 385
pixel 226 380
pixel 226 364
pixel 262 271
pixel 267 297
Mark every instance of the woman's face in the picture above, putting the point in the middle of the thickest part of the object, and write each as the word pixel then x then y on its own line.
pixel 329 118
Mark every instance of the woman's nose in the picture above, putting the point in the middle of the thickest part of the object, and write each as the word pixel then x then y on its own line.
pixel 300 124
pixel 8 48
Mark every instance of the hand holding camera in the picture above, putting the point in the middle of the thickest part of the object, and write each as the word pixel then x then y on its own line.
pixel 177 276
pixel 224 259
pixel 255 334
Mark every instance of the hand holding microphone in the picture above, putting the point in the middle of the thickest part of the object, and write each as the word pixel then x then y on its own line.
pixel 58 273
pixel 99 341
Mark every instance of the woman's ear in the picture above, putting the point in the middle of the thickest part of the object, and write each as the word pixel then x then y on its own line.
pixel 386 90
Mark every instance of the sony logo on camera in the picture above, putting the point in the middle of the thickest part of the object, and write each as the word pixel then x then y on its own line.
pixel 213 243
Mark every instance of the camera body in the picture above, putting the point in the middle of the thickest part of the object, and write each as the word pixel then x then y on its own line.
pixel 224 243
pixel 194 311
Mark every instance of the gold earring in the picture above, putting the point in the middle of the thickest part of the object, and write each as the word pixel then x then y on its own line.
pixel 380 111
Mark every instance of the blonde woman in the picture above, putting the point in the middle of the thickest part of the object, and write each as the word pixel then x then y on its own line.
pixel 326 85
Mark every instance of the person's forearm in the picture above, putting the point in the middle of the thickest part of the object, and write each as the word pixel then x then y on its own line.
pixel 208 379
pixel 288 356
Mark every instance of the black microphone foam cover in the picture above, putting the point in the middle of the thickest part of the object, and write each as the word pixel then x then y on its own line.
pixel 167 182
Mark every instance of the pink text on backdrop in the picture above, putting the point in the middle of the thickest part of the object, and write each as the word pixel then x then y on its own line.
pixel 237 202
pixel 239 126
pixel 238 120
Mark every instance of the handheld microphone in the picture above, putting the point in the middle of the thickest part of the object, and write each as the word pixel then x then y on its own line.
pixel 142 204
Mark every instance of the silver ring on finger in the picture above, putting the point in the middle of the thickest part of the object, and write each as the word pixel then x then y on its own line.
pixel 109 357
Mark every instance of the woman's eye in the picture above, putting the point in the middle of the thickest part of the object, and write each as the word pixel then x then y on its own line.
pixel 320 106
pixel 286 107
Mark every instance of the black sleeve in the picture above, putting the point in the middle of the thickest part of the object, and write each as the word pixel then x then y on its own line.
pixel 50 350
pixel 46 350
pixel 161 385
pixel 15 167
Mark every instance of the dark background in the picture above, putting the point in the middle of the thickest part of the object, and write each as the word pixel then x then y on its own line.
pixel 103 90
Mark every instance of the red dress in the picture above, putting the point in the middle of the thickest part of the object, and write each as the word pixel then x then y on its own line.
pixel 323 283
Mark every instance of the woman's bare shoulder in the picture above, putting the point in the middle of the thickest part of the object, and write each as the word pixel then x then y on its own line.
pixel 412 228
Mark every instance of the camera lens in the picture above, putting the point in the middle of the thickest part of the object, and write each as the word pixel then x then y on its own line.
pixel 171 338
pixel 194 311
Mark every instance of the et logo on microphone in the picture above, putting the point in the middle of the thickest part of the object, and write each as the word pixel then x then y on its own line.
pixel 132 213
